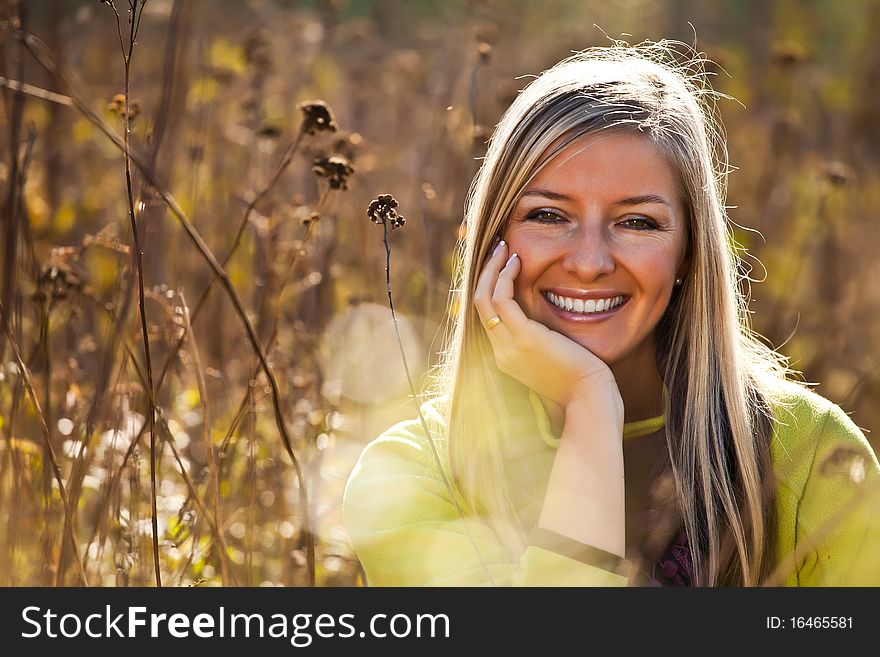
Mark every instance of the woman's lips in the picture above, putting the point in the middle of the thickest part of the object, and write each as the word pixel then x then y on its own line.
pixel 573 316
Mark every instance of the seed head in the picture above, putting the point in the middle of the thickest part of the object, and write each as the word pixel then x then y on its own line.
pixel 317 117
pixel 117 106
pixel 269 131
pixel 335 169
pixel 846 461
pixel 838 174
pixel 485 52
pixel 58 276
pixel 382 211
pixel 790 54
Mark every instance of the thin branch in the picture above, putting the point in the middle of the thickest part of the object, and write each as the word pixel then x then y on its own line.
pixel 138 259
pixel 36 92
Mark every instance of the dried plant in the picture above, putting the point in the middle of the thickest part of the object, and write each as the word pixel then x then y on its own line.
pixel 239 189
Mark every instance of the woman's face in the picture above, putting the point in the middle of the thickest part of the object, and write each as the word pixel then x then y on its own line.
pixel 601 233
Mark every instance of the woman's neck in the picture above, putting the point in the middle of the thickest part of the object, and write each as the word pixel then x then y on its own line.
pixel 640 387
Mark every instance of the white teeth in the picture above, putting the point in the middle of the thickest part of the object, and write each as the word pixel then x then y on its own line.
pixel 585 306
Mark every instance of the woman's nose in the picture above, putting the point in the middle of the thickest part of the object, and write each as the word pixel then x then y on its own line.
pixel 588 256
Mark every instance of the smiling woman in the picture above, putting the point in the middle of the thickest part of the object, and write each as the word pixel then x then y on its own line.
pixel 603 414
pixel 601 236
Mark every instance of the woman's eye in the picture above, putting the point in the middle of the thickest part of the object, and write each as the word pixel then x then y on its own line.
pixel 544 216
pixel 640 223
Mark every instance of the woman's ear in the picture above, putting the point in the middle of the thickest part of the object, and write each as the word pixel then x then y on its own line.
pixel 683 269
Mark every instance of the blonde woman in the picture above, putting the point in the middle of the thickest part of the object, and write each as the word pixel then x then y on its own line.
pixel 603 415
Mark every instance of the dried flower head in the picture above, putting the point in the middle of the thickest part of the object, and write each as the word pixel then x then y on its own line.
pixel 117 106
pixel 269 131
pixel 317 117
pixel 838 174
pixel 485 52
pixel 335 169
pixel 788 54
pixel 846 461
pixel 58 276
pixel 382 211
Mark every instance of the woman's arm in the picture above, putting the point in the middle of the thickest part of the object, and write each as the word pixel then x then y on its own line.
pixel 585 493
pixel 837 529
pixel 406 530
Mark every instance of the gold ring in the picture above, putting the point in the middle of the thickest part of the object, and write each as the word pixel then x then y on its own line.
pixel 493 322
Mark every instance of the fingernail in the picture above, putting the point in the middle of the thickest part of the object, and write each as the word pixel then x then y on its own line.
pixel 510 260
pixel 497 248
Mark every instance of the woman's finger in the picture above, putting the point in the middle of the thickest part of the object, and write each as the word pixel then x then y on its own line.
pixel 502 297
pixel 486 282
pixel 492 320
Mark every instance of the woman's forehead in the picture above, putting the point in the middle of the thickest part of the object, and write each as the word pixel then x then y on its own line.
pixel 630 159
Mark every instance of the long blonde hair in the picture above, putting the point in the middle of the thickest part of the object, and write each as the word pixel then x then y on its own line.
pixel 719 376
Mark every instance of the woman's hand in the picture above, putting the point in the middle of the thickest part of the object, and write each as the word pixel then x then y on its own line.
pixel 551 364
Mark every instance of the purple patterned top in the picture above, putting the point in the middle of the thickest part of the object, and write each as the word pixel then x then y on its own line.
pixel 675 567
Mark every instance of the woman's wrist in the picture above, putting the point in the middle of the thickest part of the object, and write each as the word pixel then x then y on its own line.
pixel 596 403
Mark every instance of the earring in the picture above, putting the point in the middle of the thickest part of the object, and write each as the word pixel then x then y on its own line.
pixel 678 281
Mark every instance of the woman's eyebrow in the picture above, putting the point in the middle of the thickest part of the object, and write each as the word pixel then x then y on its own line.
pixel 641 199
pixel 546 193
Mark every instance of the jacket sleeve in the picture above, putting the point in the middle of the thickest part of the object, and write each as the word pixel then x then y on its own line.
pixel 838 515
pixel 407 531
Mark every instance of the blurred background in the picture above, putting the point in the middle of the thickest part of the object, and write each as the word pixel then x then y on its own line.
pixel 278 197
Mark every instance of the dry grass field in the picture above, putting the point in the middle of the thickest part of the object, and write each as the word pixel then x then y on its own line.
pixel 259 132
